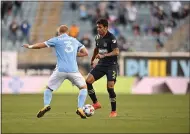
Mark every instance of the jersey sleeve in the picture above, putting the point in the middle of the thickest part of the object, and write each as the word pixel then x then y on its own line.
pixel 51 42
pixel 113 43
pixel 80 46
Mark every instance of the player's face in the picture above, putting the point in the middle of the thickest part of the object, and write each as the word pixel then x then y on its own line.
pixel 101 29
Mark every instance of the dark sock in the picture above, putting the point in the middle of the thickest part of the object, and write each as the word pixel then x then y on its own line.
pixel 112 97
pixel 91 93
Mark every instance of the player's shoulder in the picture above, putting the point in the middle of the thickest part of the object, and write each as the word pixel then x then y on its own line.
pixel 75 39
pixel 53 39
pixel 72 38
pixel 111 36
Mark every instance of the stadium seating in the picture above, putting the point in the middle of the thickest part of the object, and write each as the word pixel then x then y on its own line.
pixel 44 18
pixel 179 38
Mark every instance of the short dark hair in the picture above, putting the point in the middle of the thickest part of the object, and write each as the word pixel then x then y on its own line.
pixel 102 21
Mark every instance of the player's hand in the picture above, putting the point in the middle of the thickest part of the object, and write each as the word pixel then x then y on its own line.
pixel 25 45
pixel 99 56
pixel 93 64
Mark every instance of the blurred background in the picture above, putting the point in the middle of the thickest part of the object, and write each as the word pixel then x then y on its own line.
pixel 153 38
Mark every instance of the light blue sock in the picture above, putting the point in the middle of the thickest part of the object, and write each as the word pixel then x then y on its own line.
pixel 82 97
pixel 47 97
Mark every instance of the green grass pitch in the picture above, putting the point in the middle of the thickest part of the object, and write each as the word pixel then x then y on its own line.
pixel 136 113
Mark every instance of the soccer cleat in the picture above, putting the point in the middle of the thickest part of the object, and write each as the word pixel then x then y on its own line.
pixel 81 113
pixel 96 105
pixel 43 111
pixel 113 114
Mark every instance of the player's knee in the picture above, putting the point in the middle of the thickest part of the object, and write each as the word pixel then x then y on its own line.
pixel 83 87
pixel 110 84
pixel 49 88
pixel 90 79
pixel 111 92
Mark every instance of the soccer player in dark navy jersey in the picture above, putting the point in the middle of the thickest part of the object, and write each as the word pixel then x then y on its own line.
pixel 106 51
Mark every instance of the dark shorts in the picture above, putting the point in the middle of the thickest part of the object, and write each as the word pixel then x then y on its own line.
pixel 110 71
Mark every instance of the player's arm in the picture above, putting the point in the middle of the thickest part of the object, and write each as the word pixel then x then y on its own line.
pixel 96 50
pixel 35 46
pixel 115 52
pixel 83 52
pixel 49 43
pixel 94 54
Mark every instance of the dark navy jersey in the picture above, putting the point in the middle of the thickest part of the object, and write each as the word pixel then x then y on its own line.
pixel 106 45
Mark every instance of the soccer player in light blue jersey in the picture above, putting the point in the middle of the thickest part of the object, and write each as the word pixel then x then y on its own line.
pixel 67 49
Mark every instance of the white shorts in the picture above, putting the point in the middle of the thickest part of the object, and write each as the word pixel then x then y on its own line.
pixel 57 78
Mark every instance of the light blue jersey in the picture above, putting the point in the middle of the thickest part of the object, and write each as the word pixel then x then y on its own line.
pixel 66 48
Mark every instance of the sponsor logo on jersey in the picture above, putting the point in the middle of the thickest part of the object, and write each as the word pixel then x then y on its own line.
pixel 103 51
pixel 114 41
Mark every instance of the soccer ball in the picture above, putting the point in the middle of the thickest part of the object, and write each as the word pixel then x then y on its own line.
pixel 88 110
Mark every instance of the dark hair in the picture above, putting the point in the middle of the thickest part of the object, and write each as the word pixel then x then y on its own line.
pixel 102 21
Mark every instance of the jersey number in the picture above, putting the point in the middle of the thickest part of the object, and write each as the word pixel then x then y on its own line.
pixel 69 47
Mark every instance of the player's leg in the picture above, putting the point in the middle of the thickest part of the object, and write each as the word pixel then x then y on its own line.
pixel 78 80
pixel 111 76
pixel 89 81
pixel 94 75
pixel 54 82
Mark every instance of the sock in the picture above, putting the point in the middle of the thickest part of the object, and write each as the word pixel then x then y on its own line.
pixel 112 97
pixel 82 97
pixel 47 97
pixel 91 93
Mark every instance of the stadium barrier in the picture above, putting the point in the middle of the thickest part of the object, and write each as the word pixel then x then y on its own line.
pixel 151 85
pixel 157 72
pixel 140 73
pixel 37 84
pixel 24 84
